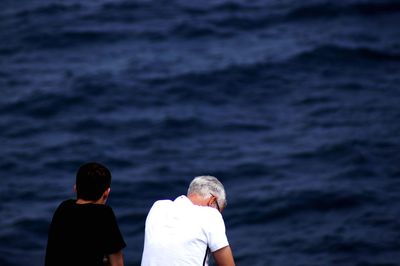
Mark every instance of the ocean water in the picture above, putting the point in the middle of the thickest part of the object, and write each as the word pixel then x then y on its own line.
pixel 293 105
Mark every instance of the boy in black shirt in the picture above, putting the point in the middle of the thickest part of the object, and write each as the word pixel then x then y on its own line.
pixel 85 231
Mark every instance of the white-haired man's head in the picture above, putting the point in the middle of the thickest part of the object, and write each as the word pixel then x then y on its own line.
pixel 206 186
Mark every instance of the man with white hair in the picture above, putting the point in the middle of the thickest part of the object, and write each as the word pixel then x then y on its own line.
pixel 186 230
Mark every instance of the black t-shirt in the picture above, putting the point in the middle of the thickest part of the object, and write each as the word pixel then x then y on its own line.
pixel 82 234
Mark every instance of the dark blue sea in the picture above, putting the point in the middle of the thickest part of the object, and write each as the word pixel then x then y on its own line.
pixel 293 105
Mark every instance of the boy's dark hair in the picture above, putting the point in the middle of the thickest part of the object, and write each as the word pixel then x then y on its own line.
pixel 92 180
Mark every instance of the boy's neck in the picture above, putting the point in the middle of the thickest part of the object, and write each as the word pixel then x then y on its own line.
pixel 82 201
pixel 101 200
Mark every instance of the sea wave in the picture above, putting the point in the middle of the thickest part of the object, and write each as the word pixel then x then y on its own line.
pixel 328 10
pixel 124 21
pixel 325 56
pixel 62 39
pixel 293 203
pixel 329 53
pixel 49 9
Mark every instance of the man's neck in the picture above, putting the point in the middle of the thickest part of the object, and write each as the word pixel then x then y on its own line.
pixel 197 199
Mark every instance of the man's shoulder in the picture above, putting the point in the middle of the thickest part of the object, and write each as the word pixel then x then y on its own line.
pixel 162 203
pixel 209 212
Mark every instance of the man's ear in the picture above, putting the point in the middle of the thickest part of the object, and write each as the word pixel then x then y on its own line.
pixel 74 188
pixel 211 201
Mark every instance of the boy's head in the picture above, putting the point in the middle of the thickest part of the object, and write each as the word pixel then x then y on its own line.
pixel 92 180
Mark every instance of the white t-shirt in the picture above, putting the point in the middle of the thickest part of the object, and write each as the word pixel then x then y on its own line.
pixel 179 232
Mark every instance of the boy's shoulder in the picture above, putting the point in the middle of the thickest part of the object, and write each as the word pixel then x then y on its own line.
pixel 65 205
pixel 68 202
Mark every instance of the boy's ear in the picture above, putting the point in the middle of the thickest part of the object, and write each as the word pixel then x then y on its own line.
pixel 106 193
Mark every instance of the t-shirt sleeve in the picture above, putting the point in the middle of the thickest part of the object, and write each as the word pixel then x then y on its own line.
pixel 216 232
pixel 51 257
pixel 56 235
pixel 114 240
